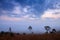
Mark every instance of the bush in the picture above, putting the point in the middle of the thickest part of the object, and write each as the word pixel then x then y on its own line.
pixel 2 32
pixel 18 34
pixel 11 34
pixel 6 33
pixel 24 33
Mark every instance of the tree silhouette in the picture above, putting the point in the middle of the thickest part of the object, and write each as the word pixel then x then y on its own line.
pixel 10 29
pixel 54 30
pixel 47 28
pixel 30 28
pixel 2 32
pixel 24 33
pixel 11 34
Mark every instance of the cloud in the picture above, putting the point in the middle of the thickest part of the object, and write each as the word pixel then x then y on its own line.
pixel 27 17
pixel 26 9
pixel 56 5
pixel 7 18
pixel 17 10
pixel 27 12
pixel 30 17
pixel 51 13
pixel 4 11
pixel 23 13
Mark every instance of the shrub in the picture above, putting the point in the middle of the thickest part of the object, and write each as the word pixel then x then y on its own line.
pixel 18 34
pixel 24 33
pixel 11 34
pixel 6 33
pixel 2 32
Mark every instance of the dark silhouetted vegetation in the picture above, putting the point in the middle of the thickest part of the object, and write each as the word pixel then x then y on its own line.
pixel 30 28
pixel 31 37
pixel 47 28
pixel 18 34
pixel 53 31
pixel 24 33
pixel 53 35
pixel 11 34
pixel 2 32
pixel 10 29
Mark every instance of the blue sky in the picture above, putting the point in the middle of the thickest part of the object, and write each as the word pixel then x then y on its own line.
pixel 20 14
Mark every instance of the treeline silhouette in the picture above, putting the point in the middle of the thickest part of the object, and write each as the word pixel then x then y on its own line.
pixel 48 35
pixel 47 28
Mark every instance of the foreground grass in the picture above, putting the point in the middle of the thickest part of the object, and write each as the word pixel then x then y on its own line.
pixel 30 37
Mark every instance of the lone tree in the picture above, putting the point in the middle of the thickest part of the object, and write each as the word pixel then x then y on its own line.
pixel 10 29
pixel 30 28
pixel 47 28
pixel 11 34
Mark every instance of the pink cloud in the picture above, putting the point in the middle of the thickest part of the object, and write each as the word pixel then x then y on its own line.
pixel 9 18
pixel 23 18
pixel 51 13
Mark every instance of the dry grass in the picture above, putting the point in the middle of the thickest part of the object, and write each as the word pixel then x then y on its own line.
pixel 30 37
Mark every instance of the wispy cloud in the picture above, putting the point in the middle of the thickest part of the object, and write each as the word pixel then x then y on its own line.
pixel 22 13
pixel 22 18
pixel 7 18
pixel 17 10
pixel 51 13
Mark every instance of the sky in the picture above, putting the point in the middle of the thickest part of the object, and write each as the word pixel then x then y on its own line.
pixel 20 14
